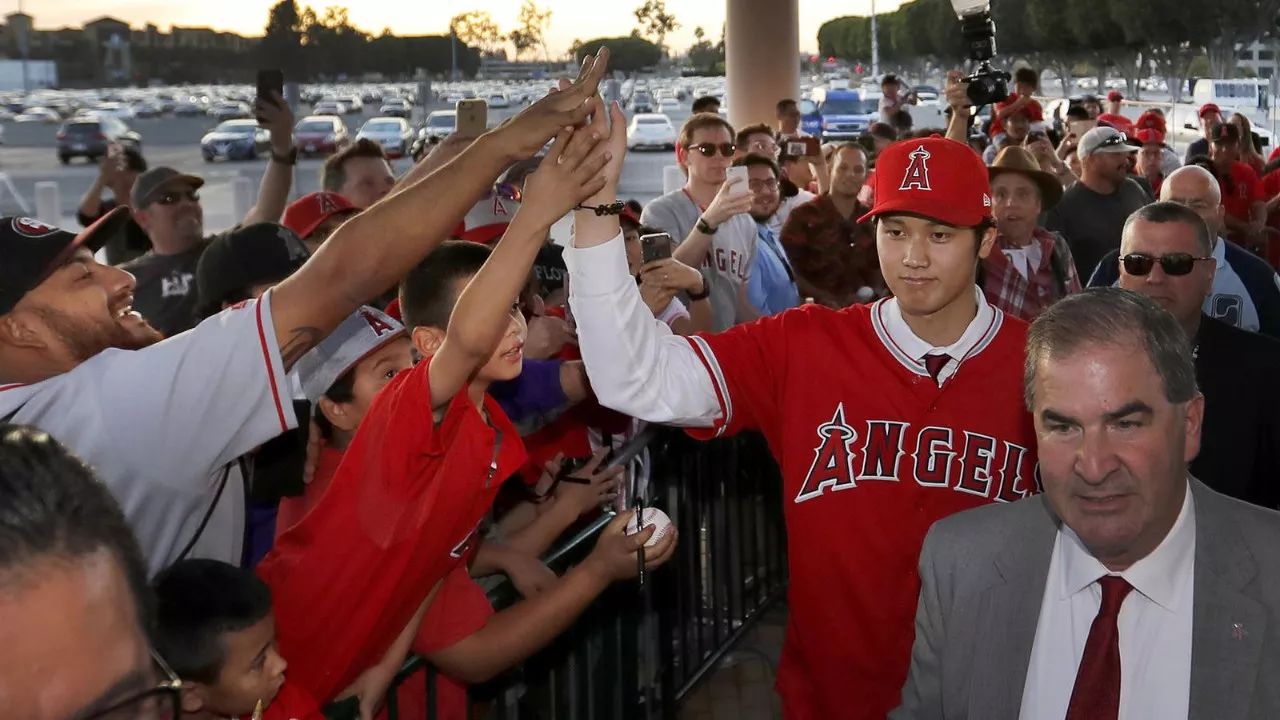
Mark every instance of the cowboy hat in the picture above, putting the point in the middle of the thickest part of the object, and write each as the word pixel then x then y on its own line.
pixel 1015 159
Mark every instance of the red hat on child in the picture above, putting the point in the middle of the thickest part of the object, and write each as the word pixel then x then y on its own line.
pixel 1209 109
pixel 306 213
pixel 1119 122
pixel 932 177
pixel 487 220
pixel 1114 96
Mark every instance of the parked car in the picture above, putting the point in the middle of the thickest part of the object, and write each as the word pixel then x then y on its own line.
pixel 651 130
pixel 188 108
pixel 89 136
pixel 846 114
pixel 147 110
pixel 114 109
pixel 353 104
pixel 641 102
pixel 320 135
pixel 38 115
pixel 329 107
pixel 395 108
pixel 231 111
pixel 440 124
pixel 499 100
pixel 392 133
pixel 235 140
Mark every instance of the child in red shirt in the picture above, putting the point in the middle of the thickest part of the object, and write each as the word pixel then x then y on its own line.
pixel 353 579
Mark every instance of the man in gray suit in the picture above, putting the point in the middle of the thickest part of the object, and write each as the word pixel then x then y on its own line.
pixel 1128 589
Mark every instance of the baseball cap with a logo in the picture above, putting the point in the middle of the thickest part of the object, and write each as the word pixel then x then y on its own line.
pixel 32 250
pixel 1104 140
pixel 935 178
pixel 487 219
pixel 1209 109
pixel 150 184
pixel 237 260
pixel 306 213
pixel 364 331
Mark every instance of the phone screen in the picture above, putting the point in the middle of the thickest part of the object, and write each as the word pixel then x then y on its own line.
pixel 737 172
pixel 270 84
pixel 656 246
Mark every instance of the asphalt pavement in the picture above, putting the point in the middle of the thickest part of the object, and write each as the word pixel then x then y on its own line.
pixel 28 157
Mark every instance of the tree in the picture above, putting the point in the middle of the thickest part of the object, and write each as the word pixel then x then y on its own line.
pixel 627 54
pixel 532 31
pixel 655 22
pixel 476 27
pixel 281 45
pixel 704 56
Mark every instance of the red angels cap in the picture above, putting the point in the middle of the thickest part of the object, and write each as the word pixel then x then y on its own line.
pixel 487 220
pixel 306 213
pixel 1115 96
pixel 932 177
pixel 1119 122
pixel 1151 120
pixel 1149 136
pixel 1209 109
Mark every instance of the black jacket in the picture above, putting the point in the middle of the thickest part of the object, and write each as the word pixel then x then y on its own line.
pixel 1239 375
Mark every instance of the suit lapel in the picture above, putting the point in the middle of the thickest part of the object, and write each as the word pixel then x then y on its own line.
pixel 1228 626
pixel 1007 617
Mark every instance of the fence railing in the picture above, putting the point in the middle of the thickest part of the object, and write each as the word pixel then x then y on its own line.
pixel 638 651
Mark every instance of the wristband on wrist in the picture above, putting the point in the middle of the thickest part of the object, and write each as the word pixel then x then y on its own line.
pixel 706 291
pixel 705 227
pixel 290 158
pixel 614 208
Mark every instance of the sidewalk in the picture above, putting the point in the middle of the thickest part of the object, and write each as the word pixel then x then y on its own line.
pixel 741 687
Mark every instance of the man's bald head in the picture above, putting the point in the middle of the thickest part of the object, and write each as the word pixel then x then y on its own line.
pixel 1198 189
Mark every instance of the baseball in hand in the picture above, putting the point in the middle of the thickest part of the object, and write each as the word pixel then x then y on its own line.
pixel 655 517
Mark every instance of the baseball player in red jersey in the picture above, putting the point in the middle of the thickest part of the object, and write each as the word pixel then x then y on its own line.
pixel 883 418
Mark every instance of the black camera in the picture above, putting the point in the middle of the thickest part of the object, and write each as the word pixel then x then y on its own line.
pixel 986 85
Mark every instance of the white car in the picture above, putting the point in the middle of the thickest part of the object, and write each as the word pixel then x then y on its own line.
pixel 669 104
pixel 651 130
pixel 38 115
pixel 329 107
pixel 499 100
pixel 440 124
pixel 392 133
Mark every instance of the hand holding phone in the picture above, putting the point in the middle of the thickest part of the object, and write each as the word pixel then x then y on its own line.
pixel 655 246
pixel 270 87
pixel 739 172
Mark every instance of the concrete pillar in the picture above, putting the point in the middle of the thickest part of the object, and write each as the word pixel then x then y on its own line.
pixel 762 58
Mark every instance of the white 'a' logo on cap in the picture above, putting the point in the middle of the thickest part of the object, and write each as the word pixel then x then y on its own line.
pixel 917 175
pixel 327 203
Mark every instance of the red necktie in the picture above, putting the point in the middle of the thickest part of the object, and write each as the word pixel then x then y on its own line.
pixel 1096 694
pixel 935 363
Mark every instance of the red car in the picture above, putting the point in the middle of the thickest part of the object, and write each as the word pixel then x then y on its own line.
pixel 320 135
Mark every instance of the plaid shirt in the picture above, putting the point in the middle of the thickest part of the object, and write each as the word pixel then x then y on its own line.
pixel 1026 298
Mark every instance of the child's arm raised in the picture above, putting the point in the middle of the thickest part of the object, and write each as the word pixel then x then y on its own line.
pixel 569 174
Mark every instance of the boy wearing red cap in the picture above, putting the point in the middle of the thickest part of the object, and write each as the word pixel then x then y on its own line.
pixel 1210 118
pixel 883 417
pixel 1020 101
pixel 314 217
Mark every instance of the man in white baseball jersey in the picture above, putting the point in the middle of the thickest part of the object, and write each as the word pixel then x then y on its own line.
pixel 162 425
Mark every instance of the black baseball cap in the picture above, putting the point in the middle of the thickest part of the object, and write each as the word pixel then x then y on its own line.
pixel 134 161
pixel 32 250
pixel 150 183
pixel 243 257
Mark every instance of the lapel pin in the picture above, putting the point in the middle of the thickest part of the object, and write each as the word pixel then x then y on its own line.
pixel 1237 631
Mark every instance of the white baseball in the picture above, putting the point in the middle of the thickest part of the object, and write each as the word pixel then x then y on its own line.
pixel 655 517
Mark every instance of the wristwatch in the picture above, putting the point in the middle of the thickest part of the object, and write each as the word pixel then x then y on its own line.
pixel 706 290
pixel 289 159
pixel 705 227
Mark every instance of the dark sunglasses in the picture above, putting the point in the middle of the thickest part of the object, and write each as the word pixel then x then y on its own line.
pixel 709 149
pixel 1114 140
pixel 173 198
pixel 159 703
pixel 1173 264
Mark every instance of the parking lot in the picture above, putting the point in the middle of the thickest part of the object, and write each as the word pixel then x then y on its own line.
pixel 28 158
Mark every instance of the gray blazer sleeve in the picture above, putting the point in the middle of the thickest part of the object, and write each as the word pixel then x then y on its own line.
pixel 922 695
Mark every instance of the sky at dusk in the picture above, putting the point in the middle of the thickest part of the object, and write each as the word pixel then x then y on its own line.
pixel 570 19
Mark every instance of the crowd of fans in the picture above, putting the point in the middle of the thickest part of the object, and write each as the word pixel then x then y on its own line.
pixel 314 435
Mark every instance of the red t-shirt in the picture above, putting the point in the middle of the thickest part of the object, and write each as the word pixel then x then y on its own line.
pixel 1240 189
pixel 291 703
pixel 872 453
pixel 1032 111
pixel 398 516
pixel 293 509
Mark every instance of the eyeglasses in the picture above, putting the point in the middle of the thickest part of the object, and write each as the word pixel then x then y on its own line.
pixel 173 198
pixel 1140 264
pixel 763 185
pixel 162 702
pixel 709 149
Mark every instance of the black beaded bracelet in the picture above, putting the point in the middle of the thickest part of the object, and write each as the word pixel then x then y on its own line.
pixel 613 208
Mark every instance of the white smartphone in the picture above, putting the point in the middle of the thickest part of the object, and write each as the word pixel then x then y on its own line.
pixel 737 172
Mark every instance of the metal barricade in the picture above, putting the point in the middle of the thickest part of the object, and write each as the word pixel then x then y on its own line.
pixel 635 654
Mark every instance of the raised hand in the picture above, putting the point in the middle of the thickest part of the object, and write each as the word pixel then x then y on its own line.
pixel 524 135
pixel 614 556
pixel 569 174
pixel 734 198
pixel 274 114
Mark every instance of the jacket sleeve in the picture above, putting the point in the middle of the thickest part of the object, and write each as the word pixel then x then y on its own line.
pixel 922 695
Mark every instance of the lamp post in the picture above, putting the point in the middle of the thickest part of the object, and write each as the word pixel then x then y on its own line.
pixel 875 43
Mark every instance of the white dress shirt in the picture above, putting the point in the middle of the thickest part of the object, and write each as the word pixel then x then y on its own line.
pixel 1154 626
pixel 639 368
